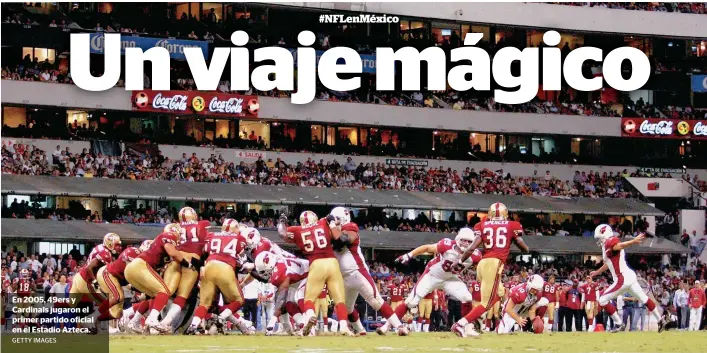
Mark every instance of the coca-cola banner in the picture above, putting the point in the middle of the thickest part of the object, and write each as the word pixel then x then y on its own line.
pixel 664 128
pixel 194 102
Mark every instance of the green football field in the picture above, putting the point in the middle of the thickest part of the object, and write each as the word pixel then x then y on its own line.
pixel 629 342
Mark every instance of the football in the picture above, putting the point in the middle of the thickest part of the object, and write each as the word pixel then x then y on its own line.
pixel 538 325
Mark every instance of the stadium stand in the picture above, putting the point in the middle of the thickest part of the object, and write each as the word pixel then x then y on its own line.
pixel 413 178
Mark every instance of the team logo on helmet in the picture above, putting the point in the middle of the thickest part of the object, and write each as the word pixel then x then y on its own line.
pixel 187 214
pixel 111 241
pixel 230 226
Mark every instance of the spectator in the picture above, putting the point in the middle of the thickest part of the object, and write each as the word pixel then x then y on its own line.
pixel 680 303
pixel 697 301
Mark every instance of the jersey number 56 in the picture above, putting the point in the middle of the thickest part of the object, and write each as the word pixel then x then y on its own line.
pixel 319 239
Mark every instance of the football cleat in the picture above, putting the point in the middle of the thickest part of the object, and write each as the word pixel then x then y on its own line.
pixel 621 328
pixel 458 330
pixel 344 331
pixel 661 325
pixel 402 331
pixel 310 323
pixel 381 330
pixel 158 328
pixel 192 330
pixel 135 328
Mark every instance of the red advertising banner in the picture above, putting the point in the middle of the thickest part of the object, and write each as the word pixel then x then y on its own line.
pixel 195 102
pixel 664 128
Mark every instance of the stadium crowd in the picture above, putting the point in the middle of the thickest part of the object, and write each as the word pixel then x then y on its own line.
pixel 28 160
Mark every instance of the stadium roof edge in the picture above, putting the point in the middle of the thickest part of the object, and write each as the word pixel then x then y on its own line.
pixel 293 195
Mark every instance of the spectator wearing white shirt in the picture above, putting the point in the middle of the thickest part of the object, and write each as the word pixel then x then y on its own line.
pixel 680 303
pixel 251 293
pixel 267 302
pixel 36 265
pixel 59 288
pixel 548 176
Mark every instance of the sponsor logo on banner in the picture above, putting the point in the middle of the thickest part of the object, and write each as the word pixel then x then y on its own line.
pixel 663 128
pixel 661 170
pixel 175 47
pixel 250 154
pixel 407 162
pixel 699 83
pixel 199 103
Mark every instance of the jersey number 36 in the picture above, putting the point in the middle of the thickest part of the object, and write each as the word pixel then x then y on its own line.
pixel 497 240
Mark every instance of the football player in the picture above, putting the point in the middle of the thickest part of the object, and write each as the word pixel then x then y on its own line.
pixel 180 280
pixel 111 280
pixel 612 251
pixel 440 273
pixel 589 298
pixel 551 293
pixel 219 275
pixel 142 275
pixel 496 234
pixel 101 255
pixel 521 304
pixel 290 279
pixel 314 238
pixel 357 277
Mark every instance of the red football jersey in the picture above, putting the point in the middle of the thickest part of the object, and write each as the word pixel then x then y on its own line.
pixel 225 247
pixel 102 254
pixel 314 241
pixel 590 291
pixel 193 236
pixel 156 253
pixel 397 292
pixel 497 237
pixel 475 289
pixel 550 291
pixel 117 267
pixel 323 294
pixel 25 287
pixel 288 269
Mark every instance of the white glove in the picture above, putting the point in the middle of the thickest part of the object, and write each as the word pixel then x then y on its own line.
pixel 404 258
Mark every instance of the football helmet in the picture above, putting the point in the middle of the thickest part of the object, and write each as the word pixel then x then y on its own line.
pixel 602 233
pixel 174 228
pixel 498 212
pixel 308 219
pixel 252 238
pixel 464 238
pixel 24 273
pixel 111 241
pixel 341 215
pixel 535 283
pixel 145 245
pixel 265 263
pixel 187 214
pixel 230 225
